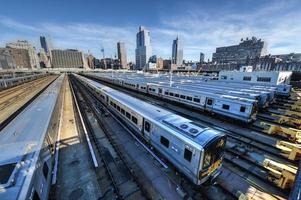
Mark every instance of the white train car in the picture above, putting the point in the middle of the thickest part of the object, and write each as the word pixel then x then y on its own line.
pixel 27 146
pixel 235 107
pixel 194 150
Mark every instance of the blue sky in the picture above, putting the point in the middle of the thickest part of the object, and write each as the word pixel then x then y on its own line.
pixel 203 25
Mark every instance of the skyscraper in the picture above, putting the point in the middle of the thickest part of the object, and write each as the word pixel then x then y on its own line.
pixel 143 47
pixel 177 52
pixel 121 51
pixel 45 44
pixel 202 57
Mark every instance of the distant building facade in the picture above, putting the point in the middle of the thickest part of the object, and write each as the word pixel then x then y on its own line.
pixel 24 44
pixel 12 58
pixel 121 51
pixel 291 57
pixel 143 47
pixel 241 53
pixel 177 52
pixel 6 59
pixel 69 58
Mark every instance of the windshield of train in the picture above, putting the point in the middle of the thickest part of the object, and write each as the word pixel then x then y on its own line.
pixel 213 152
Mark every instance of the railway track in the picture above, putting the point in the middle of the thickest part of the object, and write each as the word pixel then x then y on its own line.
pixel 230 194
pixel 184 187
pixel 259 147
pixel 6 119
pixel 12 96
pixel 122 177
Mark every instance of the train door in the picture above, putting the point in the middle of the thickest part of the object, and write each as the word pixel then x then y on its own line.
pixel 209 103
pixel 160 91
pixel 146 129
pixel 107 98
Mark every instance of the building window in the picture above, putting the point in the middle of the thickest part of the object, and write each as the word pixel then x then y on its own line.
pixel 196 100
pixel 147 126
pixel 164 141
pixel 134 119
pixel 242 109
pixel 187 155
pixel 226 107
pixel 264 79
pixel 247 78
pixel 45 170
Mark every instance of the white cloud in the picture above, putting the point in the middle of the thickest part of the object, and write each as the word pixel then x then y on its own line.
pixel 277 22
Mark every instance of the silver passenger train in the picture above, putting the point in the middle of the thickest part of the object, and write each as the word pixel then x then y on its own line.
pixel 11 82
pixel 242 109
pixel 194 150
pixel 27 147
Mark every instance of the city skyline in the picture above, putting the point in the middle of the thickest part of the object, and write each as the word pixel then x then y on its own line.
pixel 200 28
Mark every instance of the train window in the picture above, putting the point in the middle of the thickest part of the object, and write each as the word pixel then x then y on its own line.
pixel 196 100
pixel 118 108
pixel 264 79
pixel 189 98
pixel 226 107
pixel 209 102
pixel 207 160
pixel 242 109
pixel 166 93
pixel 160 90
pixel 182 96
pixel 114 105
pixel 247 78
pixel 134 119
pixel 45 170
pixel 171 94
pixel 164 141
pixel 187 155
pixel 147 126
pixel 122 111
pixel 111 103
pixel 177 95
pixel 128 115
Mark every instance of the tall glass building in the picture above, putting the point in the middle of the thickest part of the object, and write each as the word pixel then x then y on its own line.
pixel 143 48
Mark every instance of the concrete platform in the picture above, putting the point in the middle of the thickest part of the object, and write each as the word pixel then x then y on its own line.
pixel 76 178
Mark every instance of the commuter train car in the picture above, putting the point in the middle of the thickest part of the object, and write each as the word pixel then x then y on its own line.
pixel 235 107
pixel 11 82
pixel 231 106
pixel 27 146
pixel 194 150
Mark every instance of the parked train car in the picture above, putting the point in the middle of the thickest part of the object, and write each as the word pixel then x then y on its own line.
pixel 11 82
pixel 194 150
pixel 27 146
pixel 237 108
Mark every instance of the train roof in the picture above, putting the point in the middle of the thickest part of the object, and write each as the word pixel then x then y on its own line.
pixel 21 141
pixel 185 129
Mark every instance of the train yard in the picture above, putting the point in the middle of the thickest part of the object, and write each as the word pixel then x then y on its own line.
pixel 146 136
